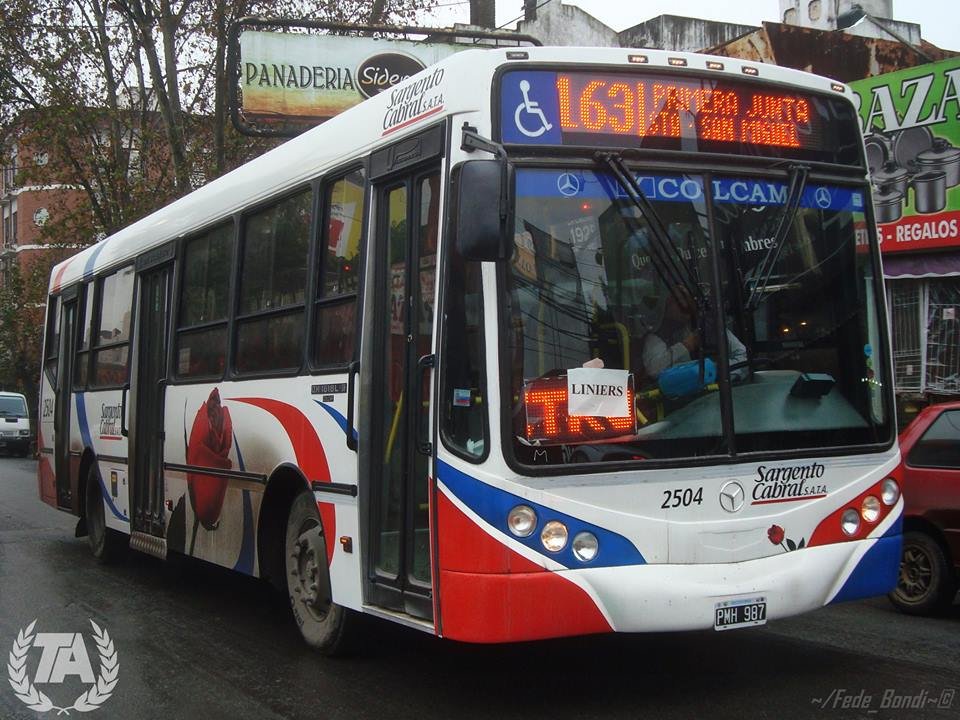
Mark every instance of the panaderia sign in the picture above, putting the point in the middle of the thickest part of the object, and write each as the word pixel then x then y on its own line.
pixel 911 125
pixel 312 77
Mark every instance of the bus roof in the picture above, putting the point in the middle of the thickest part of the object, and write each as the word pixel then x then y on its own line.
pixel 376 122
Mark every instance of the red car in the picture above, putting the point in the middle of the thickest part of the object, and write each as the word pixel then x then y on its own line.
pixel 930 470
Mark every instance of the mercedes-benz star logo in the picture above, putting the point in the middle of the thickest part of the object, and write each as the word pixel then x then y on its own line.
pixel 568 184
pixel 823 197
pixel 732 496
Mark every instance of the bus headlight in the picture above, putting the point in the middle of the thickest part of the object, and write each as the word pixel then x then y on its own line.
pixel 889 492
pixel 554 536
pixel 850 522
pixel 870 508
pixel 24 433
pixel 522 520
pixel 585 546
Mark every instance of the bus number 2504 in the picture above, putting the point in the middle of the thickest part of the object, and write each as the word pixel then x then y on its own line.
pixel 682 498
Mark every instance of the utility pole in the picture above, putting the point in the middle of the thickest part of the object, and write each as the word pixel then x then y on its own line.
pixel 483 13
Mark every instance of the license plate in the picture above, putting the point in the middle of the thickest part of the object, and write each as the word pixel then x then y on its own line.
pixel 742 612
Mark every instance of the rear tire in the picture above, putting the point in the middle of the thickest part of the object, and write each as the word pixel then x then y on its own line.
pixel 324 625
pixel 106 545
pixel 926 584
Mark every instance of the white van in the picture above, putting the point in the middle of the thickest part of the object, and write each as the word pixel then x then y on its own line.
pixel 14 424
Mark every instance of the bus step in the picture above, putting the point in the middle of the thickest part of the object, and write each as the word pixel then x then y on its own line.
pixel 149 544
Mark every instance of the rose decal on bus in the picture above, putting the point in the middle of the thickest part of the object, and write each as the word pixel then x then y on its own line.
pixel 209 446
pixel 777 535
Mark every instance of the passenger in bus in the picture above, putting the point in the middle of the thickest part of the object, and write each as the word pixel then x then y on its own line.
pixel 677 339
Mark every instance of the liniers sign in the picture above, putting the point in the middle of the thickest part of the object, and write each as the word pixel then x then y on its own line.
pixel 313 77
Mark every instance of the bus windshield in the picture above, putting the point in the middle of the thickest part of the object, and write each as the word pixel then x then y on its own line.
pixel 622 320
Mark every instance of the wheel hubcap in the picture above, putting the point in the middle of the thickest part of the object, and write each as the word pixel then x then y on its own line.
pixel 916 574
pixel 309 579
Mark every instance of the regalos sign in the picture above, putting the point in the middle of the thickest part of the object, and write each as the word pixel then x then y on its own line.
pixel 911 125
pixel 313 77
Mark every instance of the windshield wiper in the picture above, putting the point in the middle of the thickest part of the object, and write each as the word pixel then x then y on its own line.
pixel 798 181
pixel 667 258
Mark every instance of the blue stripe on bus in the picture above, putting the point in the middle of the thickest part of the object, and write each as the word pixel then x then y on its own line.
pixel 589 185
pixel 88 268
pixel 88 443
pixel 337 417
pixel 493 504
pixel 876 573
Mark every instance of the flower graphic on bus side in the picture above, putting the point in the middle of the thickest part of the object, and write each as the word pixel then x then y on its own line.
pixel 777 535
pixel 209 446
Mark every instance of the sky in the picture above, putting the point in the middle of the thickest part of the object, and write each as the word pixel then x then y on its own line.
pixel 938 19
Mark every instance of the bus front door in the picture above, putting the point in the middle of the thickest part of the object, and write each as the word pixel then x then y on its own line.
pixel 63 464
pixel 148 521
pixel 406 239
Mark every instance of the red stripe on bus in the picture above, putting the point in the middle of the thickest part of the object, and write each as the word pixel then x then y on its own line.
pixel 411 121
pixel 789 499
pixel 311 458
pixel 505 598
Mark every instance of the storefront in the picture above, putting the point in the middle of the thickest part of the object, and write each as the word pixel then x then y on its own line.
pixel 911 124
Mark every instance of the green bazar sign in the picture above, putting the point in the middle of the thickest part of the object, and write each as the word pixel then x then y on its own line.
pixel 911 125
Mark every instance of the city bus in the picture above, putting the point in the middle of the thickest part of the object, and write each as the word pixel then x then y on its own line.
pixel 539 342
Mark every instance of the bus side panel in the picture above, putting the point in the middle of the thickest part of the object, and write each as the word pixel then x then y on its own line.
pixel 246 430
pixel 46 475
pixel 97 426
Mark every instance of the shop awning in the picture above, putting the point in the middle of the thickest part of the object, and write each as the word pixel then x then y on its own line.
pixel 927 265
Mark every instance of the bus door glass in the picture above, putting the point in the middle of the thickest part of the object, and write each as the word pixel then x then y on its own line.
pixel 64 384
pixel 147 442
pixel 407 231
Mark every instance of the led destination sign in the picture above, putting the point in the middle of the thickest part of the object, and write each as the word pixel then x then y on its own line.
pixel 663 111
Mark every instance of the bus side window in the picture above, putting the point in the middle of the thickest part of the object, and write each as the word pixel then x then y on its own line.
pixel 53 340
pixel 204 300
pixel 111 342
pixel 273 280
pixel 82 367
pixel 340 260
pixel 463 411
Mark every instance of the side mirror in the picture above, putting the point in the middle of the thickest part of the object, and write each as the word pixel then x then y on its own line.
pixel 483 213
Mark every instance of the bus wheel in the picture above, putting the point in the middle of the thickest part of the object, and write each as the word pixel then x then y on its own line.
pixel 925 584
pixel 322 622
pixel 107 545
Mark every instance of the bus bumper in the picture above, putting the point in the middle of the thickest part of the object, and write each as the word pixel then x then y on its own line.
pixel 506 607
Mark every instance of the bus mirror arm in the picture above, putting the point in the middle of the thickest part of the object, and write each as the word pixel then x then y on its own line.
pixel 352 372
pixel 123 410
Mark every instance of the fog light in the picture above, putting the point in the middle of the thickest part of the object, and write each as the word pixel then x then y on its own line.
pixel 585 546
pixel 554 536
pixel 850 522
pixel 889 492
pixel 870 509
pixel 522 520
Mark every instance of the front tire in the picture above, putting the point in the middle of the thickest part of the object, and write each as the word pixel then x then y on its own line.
pixel 926 583
pixel 107 545
pixel 323 624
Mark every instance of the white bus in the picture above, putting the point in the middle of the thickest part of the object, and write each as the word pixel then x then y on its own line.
pixel 539 342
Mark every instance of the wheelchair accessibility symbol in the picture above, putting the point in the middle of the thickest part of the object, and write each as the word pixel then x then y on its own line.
pixel 535 117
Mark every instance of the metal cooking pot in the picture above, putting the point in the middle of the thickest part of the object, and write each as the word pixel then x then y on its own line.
pixel 930 191
pixel 944 157
pixel 909 143
pixel 891 177
pixel 878 151
pixel 888 206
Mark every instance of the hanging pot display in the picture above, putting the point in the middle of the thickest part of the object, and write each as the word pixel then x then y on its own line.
pixel 930 191
pixel 909 143
pixel 891 178
pixel 878 151
pixel 888 206
pixel 944 157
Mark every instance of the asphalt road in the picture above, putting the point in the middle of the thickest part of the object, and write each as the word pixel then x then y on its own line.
pixel 193 641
